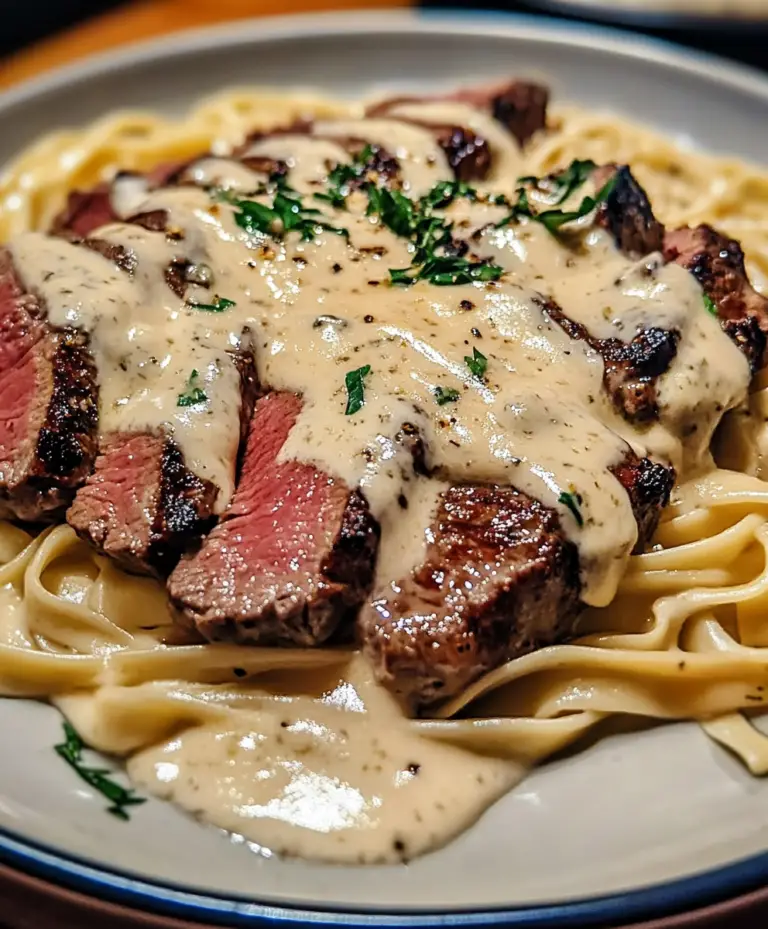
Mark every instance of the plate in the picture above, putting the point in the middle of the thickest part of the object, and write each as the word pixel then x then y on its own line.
pixel 723 15
pixel 638 824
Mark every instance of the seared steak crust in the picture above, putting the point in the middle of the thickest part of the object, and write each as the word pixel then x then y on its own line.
pixel 717 263
pixel 626 213
pixel 292 557
pixel 468 154
pixel 649 486
pixel 49 403
pixel 631 368
pixel 522 107
pixel 142 505
pixel 499 579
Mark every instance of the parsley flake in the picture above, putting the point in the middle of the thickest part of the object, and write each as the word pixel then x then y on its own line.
pixel 573 502
pixel 568 181
pixel 445 395
pixel 71 750
pixel 287 214
pixel 194 395
pixel 355 384
pixel 709 305
pixel 218 305
pixel 477 363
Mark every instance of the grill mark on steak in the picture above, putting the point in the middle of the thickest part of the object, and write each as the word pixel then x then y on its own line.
pixel 627 214
pixel 500 579
pixel 717 263
pixel 142 506
pixel 48 406
pixel 292 557
pixel 631 369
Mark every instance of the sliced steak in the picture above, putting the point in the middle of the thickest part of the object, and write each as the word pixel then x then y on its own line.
pixel 631 368
pixel 626 213
pixel 717 263
pixel 291 559
pixel 500 579
pixel 520 106
pixel 141 505
pixel 48 406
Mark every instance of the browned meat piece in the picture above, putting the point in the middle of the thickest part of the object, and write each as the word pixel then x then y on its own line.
pixel 85 211
pixel 627 213
pixel 468 154
pixel 499 580
pixel 717 263
pixel 141 505
pixel 291 558
pixel 48 404
pixel 649 486
pixel 631 368
pixel 522 107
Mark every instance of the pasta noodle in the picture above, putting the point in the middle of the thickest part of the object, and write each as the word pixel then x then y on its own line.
pixel 686 637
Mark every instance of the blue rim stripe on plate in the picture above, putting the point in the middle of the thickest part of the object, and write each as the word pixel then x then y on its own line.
pixel 618 909
pixel 94 880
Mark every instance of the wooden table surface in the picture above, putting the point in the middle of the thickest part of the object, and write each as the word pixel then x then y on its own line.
pixel 145 19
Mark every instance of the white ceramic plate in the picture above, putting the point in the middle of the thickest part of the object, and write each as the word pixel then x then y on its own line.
pixel 637 824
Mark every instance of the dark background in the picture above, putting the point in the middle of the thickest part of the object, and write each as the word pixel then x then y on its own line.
pixel 28 20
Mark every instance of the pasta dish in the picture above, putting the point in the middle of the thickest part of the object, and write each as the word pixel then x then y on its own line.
pixel 355 458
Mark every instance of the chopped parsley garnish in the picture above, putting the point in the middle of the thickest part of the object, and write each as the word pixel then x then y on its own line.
pixel 343 176
pixel 573 501
pixel 572 178
pixel 287 214
pixel 193 395
pixel 119 797
pixel 568 181
pixel 218 305
pixel 709 305
pixel 447 271
pixel 477 363
pixel 445 395
pixel 396 211
pixel 355 384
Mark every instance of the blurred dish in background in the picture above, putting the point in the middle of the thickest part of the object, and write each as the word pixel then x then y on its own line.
pixel 666 13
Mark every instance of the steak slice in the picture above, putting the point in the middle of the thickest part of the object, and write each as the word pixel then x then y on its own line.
pixel 48 404
pixel 291 559
pixel 520 106
pixel 627 214
pixel 500 579
pixel 141 505
pixel 717 263
pixel 631 368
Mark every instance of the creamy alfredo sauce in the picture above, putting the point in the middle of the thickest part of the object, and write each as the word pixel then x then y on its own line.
pixel 312 311
pixel 341 776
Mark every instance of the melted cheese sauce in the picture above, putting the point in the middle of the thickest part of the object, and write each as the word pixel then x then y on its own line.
pixel 310 775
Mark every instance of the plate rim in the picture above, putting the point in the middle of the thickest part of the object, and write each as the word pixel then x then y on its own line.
pixel 98 880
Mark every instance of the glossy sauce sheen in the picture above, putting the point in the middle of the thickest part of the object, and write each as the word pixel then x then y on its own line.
pixel 313 776
pixel 312 311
